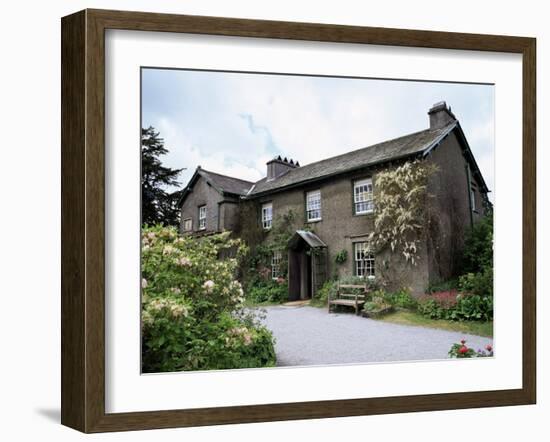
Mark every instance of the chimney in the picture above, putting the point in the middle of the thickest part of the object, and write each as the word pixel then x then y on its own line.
pixel 278 166
pixel 440 115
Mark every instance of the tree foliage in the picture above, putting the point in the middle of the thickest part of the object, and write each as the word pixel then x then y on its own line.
pixel 478 258
pixel 478 246
pixel 157 204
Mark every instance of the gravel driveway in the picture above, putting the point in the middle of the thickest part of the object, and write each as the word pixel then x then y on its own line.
pixel 310 336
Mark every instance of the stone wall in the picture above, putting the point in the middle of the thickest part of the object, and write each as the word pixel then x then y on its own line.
pixel 201 194
pixel 339 228
pixel 449 210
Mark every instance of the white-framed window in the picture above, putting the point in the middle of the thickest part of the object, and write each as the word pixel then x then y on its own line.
pixel 187 224
pixel 267 215
pixel 276 264
pixel 202 217
pixel 313 205
pixel 364 260
pixel 363 199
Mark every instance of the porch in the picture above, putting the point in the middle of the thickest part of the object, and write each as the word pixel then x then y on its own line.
pixel 307 265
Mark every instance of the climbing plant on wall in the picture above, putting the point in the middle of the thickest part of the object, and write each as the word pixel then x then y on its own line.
pixel 277 240
pixel 401 199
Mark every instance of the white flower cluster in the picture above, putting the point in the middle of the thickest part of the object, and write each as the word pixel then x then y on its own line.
pixel 183 261
pixel 168 250
pixel 236 285
pixel 208 286
pixel 177 310
pixel 242 333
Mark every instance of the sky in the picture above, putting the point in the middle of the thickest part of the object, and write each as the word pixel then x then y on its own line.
pixel 233 123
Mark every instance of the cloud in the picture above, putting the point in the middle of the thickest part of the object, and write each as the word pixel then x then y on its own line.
pixel 233 123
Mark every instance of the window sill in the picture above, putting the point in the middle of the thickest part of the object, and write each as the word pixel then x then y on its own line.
pixel 364 213
pixel 316 220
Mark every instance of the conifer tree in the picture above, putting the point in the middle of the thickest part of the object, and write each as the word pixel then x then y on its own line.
pixel 157 204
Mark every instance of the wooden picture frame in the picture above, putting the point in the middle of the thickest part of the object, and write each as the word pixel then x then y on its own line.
pixel 83 220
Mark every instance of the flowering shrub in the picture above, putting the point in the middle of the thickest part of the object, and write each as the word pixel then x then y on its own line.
pixel 461 350
pixel 438 305
pixel 456 306
pixel 399 211
pixel 192 305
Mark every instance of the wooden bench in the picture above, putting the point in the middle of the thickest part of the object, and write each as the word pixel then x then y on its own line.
pixel 346 297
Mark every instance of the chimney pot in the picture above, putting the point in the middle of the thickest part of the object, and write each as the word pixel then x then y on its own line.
pixel 277 167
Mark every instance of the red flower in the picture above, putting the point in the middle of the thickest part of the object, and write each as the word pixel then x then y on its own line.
pixel 463 349
pixel 489 347
pixel 463 341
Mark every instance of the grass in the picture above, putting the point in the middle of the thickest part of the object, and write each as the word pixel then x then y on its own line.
pixel 407 317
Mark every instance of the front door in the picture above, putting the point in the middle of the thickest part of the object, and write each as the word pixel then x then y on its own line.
pixel 299 274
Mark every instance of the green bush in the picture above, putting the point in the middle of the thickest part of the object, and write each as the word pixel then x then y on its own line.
pixel 442 286
pixel 430 309
pixel 478 246
pixel 192 314
pixel 473 308
pixel 371 306
pixel 480 283
pixel 322 295
pixel 457 307
pixel 401 298
pixel 238 343
pixel 260 291
pixel 341 257
pixel 478 259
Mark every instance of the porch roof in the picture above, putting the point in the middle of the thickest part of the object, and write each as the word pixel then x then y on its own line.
pixel 310 238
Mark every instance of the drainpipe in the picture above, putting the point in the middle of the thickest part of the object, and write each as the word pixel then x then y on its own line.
pixel 469 193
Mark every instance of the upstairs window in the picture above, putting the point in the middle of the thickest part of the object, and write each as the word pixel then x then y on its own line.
pixel 202 217
pixel 313 205
pixel 187 225
pixel 473 198
pixel 267 216
pixel 364 260
pixel 276 259
pixel 363 197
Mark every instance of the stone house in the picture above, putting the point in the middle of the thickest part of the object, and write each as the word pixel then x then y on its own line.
pixel 333 203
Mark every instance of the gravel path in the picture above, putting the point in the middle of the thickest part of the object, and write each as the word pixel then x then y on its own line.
pixel 310 336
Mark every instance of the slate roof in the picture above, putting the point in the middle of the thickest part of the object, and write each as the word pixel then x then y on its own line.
pixel 402 147
pixel 226 184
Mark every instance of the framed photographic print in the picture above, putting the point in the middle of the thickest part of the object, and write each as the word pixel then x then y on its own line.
pixel 270 220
